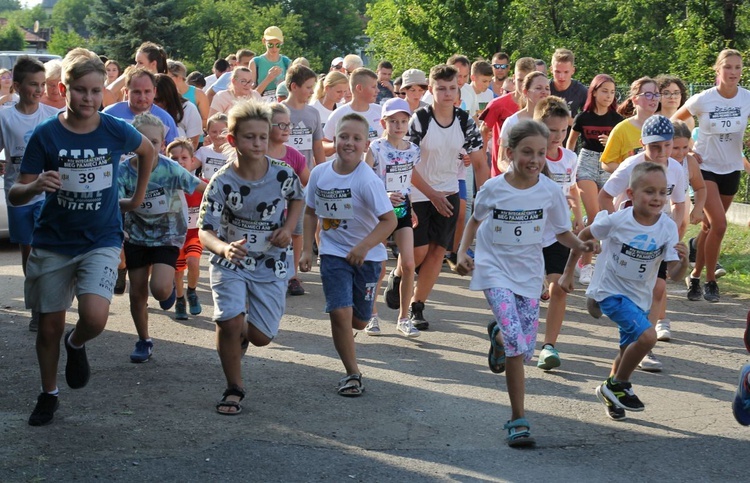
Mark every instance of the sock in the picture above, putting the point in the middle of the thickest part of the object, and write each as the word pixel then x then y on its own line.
pixel 552 346
pixel 181 298
pixel 53 393
pixel 191 290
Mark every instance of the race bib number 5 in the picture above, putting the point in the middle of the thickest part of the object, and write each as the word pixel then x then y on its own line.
pixel 635 264
pixel 335 204
pixel 517 227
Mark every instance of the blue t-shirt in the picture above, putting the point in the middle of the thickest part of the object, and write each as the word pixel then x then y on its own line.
pixel 161 220
pixel 122 110
pixel 85 213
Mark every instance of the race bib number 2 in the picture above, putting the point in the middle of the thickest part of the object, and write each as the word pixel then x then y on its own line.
pixel 517 227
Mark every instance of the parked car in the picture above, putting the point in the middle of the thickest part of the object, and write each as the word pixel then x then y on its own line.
pixel 8 57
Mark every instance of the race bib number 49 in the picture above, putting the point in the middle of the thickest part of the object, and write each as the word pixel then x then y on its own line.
pixel 522 227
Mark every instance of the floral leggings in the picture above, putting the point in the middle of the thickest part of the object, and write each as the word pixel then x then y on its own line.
pixel 518 319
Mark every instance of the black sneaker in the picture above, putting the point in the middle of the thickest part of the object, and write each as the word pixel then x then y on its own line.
pixel 612 411
pixel 416 317
pixel 44 411
pixel 711 291
pixel 694 292
pixel 693 250
pixel 77 371
pixel 621 394
pixel 392 292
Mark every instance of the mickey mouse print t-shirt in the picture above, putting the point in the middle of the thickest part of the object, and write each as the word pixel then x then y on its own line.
pixel 235 208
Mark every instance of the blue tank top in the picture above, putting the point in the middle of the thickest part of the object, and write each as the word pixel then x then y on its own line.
pixel 190 95
pixel 263 65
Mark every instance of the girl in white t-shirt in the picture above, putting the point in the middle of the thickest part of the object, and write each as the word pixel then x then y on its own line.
pixel 535 88
pixel 562 165
pixel 329 94
pixel 722 113
pixel 511 213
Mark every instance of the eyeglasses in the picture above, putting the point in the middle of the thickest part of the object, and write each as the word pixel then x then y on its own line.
pixel 500 66
pixel 6 77
pixel 338 66
pixel 669 95
pixel 401 94
pixel 273 45
pixel 244 82
pixel 650 95
pixel 282 125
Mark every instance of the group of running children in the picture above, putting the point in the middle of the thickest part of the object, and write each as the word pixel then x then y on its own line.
pixel 250 205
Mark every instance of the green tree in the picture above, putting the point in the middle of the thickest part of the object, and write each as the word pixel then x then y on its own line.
pixel 27 16
pixel 390 41
pixel 122 25
pixel 11 38
pixel 61 42
pixel 9 5
pixel 71 15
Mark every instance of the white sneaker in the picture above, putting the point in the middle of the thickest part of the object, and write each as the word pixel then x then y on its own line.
pixel 587 271
pixel 663 332
pixel 577 269
pixel 406 327
pixel 650 363
pixel 373 327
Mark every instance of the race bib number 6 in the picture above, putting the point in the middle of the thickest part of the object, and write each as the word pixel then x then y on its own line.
pixel 517 227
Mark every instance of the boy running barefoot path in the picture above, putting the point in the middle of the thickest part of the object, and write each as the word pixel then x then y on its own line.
pixel 74 159
pixel 246 221
pixel 635 240
pixel 356 217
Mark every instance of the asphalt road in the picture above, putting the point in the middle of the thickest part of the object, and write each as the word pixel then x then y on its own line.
pixel 432 410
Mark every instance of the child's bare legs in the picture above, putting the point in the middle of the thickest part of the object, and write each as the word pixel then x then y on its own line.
pixel 162 280
pixel 627 360
pixel 405 269
pixel 459 227
pixel 93 311
pixel 555 310
pixel 377 289
pixel 193 271
pixel 658 301
pixel 297 248
pixel 514 373
pixel 589 197
pixel 179 283
pixel 430 260
pixel 342 323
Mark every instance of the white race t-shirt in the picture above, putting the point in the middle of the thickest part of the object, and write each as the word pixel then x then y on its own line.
pixel 211 160
pixel 372 115
pixel 619 180
pixel 509 241
pixel 722 124
pixel 15 131
pixel 191 124
pixel 324 112
pixel 631 255
pixel 563 172
pixel 348 207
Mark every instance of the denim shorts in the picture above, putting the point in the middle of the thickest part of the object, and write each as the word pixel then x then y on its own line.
pixel 631 320
pixel 590 168
pixel 345 285
pixel 21 221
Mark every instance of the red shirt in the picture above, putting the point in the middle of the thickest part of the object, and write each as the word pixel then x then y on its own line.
pixel 494 115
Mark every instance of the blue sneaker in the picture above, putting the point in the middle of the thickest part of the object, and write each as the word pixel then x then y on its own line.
pixel 142 351
pixel 169 302
pixel 741 405
pixel 180 309
pixel 194 303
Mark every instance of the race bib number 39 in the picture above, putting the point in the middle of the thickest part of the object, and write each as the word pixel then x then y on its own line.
pixel 517 227
pixel 86 178
pixel 335 204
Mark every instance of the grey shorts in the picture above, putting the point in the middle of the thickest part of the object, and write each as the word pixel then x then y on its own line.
pixel 53 278
pixel 262 302
pixel 590 168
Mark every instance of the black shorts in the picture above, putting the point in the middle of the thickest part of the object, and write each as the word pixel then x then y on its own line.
pixel 405 220
pixel 662 270
pixel 139 256
pixel 434 227
pixel 728 184
pixel 555 258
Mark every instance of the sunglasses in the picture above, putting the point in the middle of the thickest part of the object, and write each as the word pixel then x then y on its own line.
pixel 401 94
pixel 500 66
pixel 282 125
pixel 273 45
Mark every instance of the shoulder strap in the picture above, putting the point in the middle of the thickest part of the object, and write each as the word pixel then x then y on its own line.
pixel 424 115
